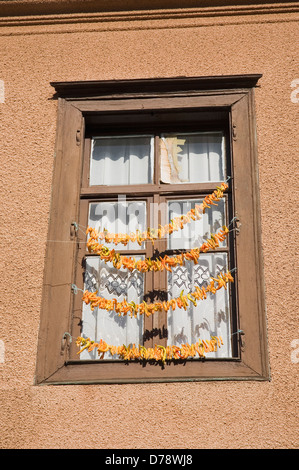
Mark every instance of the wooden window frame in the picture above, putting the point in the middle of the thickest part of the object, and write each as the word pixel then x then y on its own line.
pixel 79 105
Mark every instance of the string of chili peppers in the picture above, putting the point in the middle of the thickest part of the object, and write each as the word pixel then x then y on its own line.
pixel 153 234
pixel 166 262
pixel 125 307
pixel 158 353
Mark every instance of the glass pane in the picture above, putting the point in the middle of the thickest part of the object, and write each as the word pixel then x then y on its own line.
pixel 122 160
pixel 100 324
pixel 211 316
pixel 196 232
pixel 118 217
pixel 192 158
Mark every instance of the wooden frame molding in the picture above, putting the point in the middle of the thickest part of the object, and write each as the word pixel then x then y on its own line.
pixel 64 7
pixel 79 103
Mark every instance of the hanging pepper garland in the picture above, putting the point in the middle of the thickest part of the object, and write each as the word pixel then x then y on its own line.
pixel 165 262
pixel 124 307
pixel 153 234
pixel 158 353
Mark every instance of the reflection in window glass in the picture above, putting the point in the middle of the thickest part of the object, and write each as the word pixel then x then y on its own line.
pixel 192 158
pixel 122 160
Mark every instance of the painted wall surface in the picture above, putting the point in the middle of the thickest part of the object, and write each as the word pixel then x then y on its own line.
pixel 175 415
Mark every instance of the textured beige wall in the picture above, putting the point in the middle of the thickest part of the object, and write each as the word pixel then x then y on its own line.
pixel 242 414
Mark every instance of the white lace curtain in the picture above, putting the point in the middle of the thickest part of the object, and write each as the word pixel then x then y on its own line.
pixel 210 316
pixel 116 217
pixel 119 217
pixel 195 233
pixel 185 158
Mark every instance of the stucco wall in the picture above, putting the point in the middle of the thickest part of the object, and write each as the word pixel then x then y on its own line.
pixel 33 53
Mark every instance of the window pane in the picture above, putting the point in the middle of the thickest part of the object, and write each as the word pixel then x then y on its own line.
pixel 119 217
pixel 196 232
pixel 100 324
pixel 122 160
pixel 211 316
pixel 192 158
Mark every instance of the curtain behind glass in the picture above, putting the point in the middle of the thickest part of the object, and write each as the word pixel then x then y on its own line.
pixel 192 158
pixel 195 233
pixel 122 160
pixel 119 217
pixel 212 315
pixel 100 324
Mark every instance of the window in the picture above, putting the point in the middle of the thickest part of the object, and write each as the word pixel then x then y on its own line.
pixel 138 154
